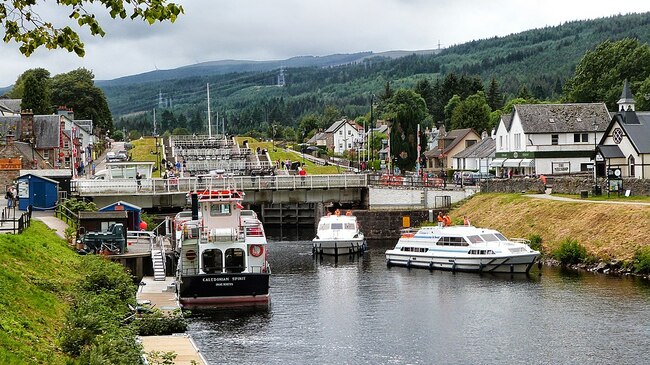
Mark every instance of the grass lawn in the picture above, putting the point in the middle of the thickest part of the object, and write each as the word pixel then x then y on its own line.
pixel 612 197
pixel 144 149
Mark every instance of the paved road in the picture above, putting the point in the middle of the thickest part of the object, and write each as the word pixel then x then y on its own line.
pixel 561 198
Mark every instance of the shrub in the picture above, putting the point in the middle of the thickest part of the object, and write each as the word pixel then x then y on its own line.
pixel 156 323
pixel 570 252
pixel 535 242
pixel 641 262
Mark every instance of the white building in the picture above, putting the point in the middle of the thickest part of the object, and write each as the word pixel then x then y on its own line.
pixel 549 138
pixel 344 135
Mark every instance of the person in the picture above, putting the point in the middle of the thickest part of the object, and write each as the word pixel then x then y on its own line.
pixel 9 197
pixel 138 179
pixel 466 221
pixel 302 174
pixel 447 220
pixel 441 220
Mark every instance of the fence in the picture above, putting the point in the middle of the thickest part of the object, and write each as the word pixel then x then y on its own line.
pixel 67 216
pixel 9 223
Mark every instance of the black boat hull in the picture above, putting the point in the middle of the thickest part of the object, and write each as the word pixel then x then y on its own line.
pixel 206 290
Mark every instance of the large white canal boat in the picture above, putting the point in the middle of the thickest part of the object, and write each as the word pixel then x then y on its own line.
pixel 462 248
pixel 223 256
pixel 338 235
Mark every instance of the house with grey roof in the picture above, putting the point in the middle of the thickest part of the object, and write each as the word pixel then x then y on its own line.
pixel 549 138
pixel 450 143
pixel 625 144
pixel 344 135
pixel 478 156
pixel 9 107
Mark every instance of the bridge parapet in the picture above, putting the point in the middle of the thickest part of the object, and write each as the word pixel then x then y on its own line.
pixel 86 187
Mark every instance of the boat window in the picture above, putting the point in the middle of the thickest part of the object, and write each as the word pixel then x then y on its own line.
pixel 219 209
pixel 489 237
pixel 350 226
pixel 475 239
pixel 212 261
pixel 323 226
pixel 501 237
pixel 414 249
pixel 452 241
pixel 337 225
pixel 235 260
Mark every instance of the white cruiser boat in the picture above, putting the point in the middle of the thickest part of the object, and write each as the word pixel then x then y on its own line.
pixel 462 248
pixel 338 235
pixel 223 255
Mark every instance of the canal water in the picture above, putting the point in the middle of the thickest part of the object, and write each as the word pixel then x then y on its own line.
pixel 358 311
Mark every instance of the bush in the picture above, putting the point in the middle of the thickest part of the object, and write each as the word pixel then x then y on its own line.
pixel 535 242
pixel 641 262
pixel 157 324
pixel 570 252
pixel 79 205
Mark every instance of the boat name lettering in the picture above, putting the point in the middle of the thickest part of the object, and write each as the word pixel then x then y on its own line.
pixel 215 279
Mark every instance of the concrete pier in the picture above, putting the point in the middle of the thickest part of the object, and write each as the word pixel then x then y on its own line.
pixel 181 344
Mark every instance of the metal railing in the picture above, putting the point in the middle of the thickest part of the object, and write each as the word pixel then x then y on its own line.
pixel 10 223
pixel 66 215
pixel 184 185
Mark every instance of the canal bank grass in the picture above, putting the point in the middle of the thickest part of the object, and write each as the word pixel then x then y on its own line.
pixel 37 278
pixel 607 231
pixel 278 153
pixel 144 150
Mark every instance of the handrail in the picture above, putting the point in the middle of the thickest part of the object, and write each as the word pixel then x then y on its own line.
pixel 66 215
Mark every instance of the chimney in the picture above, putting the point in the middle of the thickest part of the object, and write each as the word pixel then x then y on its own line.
pixel 65 111
pixel 26 126
pixel 10 138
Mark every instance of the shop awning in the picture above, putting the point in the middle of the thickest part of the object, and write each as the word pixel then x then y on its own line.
pixel 527 162
pixel 497 162
pixel 512 162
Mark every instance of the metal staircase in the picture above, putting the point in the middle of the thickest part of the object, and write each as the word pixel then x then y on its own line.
pixel 158 259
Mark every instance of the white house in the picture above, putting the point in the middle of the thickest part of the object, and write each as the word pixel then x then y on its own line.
pixel 626 143
pixel 549 138
pixel 344 135
pixel 476 157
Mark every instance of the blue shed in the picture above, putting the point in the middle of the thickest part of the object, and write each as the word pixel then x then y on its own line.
pixel 133 212
pixel 39 192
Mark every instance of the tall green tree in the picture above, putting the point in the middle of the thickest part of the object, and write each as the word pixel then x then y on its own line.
pixel 77 90
pixel 36 95
pixel 494 95
pixel 405 109
pixel 472 112
pixel 23 24
pixel 18 89
pixel 425 89
pixel 600 74
pixel 449 110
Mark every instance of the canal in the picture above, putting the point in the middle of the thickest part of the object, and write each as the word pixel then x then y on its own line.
pixel 358 311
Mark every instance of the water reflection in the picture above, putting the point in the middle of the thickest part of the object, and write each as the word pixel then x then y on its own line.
pixel 355 310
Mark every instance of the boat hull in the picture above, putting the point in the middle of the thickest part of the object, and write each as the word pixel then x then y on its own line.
pixel 497 264
pixel 208 290
pixel 338 247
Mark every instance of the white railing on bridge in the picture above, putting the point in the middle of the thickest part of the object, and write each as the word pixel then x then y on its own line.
pixel 184 185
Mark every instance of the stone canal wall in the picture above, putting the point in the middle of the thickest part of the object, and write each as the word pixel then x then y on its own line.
pixel 387 224
pixel 562 185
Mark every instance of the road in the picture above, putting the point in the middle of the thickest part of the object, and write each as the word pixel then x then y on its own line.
pixel 561 198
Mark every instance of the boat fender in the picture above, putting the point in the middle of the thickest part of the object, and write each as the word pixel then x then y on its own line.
pixel 256 250
pixel 408 263
pixel 430 266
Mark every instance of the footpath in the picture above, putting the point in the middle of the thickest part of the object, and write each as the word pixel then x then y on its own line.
pixel 561 198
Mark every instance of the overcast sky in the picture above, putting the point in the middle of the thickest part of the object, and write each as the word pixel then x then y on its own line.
pixel 267 30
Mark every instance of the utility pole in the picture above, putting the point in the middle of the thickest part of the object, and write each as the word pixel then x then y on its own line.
pixel 209 122
pixel 370 147
pixel 154 121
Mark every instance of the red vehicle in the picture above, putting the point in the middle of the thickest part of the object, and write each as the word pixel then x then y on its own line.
pixel 392 180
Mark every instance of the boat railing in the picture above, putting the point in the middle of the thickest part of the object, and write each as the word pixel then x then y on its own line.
pixel 254 231
pixel 520 240
pixel 260 269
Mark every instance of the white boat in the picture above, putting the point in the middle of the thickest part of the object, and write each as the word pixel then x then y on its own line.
pixel 462 248
pixel 223 256
pixel 338 235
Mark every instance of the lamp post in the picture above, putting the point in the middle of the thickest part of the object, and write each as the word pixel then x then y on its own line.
pixel 595 126
pixel 370 147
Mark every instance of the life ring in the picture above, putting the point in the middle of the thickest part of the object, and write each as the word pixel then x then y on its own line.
pixel 256 250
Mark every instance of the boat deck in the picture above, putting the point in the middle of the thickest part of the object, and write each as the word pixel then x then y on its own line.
pixel 159 294
pixel 181 344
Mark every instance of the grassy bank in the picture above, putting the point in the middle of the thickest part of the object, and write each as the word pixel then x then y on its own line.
pixel 607 231
pixel 36 282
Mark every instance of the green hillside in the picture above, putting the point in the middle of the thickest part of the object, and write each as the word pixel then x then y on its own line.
pixel 541 60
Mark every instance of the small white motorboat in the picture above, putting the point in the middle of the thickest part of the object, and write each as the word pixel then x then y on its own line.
pixel 338 235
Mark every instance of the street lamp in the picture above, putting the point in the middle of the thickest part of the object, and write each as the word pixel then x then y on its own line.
pixel 370 147
pixel 595 126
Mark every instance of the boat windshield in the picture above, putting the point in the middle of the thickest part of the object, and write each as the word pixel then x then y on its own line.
pixel 475 239
pixel 489 237
pixel 337 226
pixel 501 237
pixel 349 226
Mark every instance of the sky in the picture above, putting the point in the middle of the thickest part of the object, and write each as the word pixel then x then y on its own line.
pixel 212 30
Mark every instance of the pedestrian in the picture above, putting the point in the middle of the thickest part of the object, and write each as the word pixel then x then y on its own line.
pixel 441 220
pixel 9 197
pixel 138 179
pixel 447 220
pixel 302 174
pixel 466 221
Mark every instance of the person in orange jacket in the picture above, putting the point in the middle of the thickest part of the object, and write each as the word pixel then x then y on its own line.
pixel 441 220
pixel 447 220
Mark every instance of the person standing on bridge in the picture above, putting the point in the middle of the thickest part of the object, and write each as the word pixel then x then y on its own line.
pixel 302 174
pixel 138 179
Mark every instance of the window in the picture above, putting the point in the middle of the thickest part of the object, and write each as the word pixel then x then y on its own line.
pixel 219 209
pixel 554 139
pixel 349 132
pixel 517 141
pixel 340 132
pixel 580 137
pixel 452 241
pixel 586 166
pixel 212 261
pixel 46 154
pixel 66 144
pixel 235 260
pixel 630 161
pixel 66 162
pixel 500 142
pixel 470 142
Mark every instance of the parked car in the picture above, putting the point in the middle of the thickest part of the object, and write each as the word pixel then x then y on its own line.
pixel 122 156
pixel 473 177
pixel 110 156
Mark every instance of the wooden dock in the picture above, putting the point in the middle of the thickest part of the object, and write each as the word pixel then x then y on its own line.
pixel 162 295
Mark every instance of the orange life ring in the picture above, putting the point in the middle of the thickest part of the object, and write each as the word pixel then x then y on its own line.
pixel 256 250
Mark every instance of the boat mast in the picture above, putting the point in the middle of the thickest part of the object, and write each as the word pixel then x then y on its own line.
pixel 209 123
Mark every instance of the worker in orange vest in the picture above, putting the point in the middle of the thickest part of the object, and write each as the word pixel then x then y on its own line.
pixel 447 220
pixel 441 220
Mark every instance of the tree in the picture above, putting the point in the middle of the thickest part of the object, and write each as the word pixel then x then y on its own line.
pixel 406 109
pixel 424 88
pixel 494 95
pixel 472 112
pixel 41 74
pixel 449 109
pixel 36 95
pixel 25 26
pixel 600 74
pixel 77 90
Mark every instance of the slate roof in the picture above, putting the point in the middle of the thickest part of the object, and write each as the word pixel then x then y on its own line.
pixel 638 133
pixel 626 95
pixel 507 120
pixel 9 123
pixel 10 105
pixel 563 118
pixel 611 151
pixel 454 137
pixel 482 149
pixel 317 137
pixel 85 124
pixel 46 131
pixel 335 126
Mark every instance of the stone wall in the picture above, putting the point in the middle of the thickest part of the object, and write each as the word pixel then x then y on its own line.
pixel 387 224
pixel 515 185
pixel 562 185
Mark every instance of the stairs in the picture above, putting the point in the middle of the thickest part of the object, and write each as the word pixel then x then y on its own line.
pixel 158 260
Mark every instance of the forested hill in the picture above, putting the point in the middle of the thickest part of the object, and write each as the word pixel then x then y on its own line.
pixel 540 59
